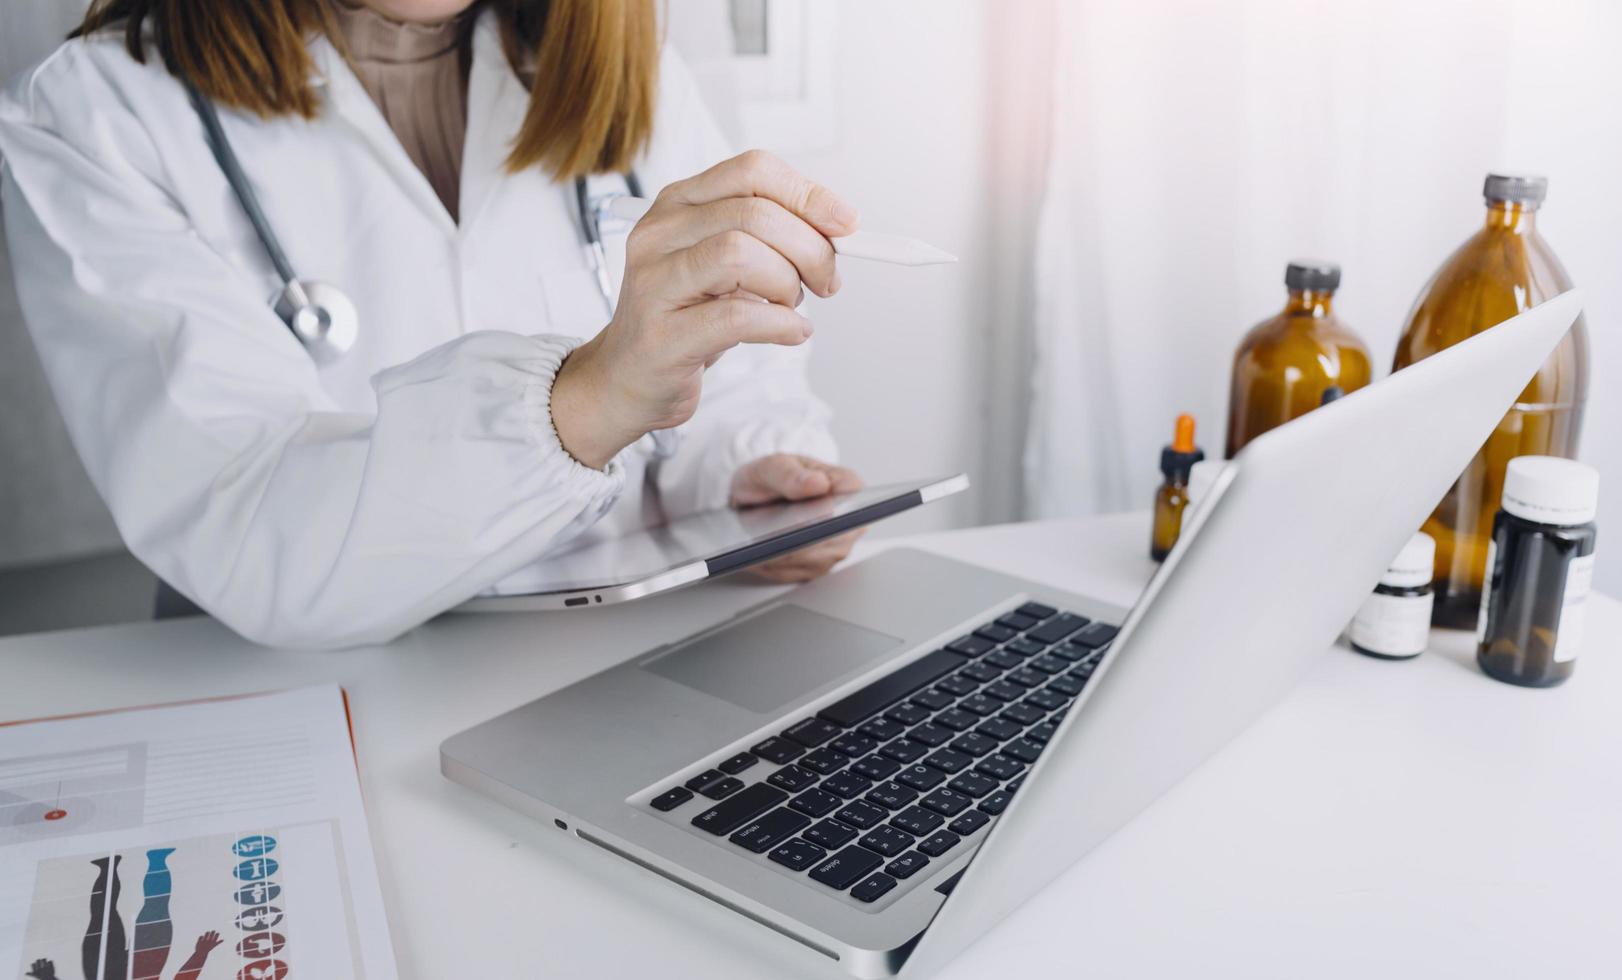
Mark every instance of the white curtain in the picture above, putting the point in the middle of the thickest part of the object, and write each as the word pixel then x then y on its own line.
pixel 1197 147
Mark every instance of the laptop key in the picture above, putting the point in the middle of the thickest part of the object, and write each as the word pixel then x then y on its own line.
pixel 764 833
pixel 892 795
pixel 847 785
pixel 907 714
pixel 722 788
pixel 1042 733
pixel 830 834
pixel 862 815
pixel 939 843
pixel 1057 628
pixel 996 633
pixel 792 778
pixel 949 761
pixel 1036 610
pixel 957 720
pixel 738 763
pixel 980 705
pixel 998 767
pixel 873 888
pixel 875 767
pixel 920 777
pixel 1022 749
pixel 825 761
pixel 854 745
pixel 957 685
pixel 973 784
pixel 1026 677
pixel 1024 647
pixel 812 732
pixel 887 690
pixel 778 750
pixel 968 823
pixel 1044 699
pixel 797 855
pixel 816 803
pixel 996 803
pixel 1004 691
pixel 931 735
pixel 916 821
pixel 1018 622
pixel 1002 660
pixel 846 867
pixel 1071 653
pixel 1013 785
pixel 881 729
pixel 739 808
pixel 670 799
pixel 974 743
pixel 703 779
pixel 1069 684
pixel 1095 635
pixel 971 646
pixel 946 802
pixel 934 700
pixel 906 865
pixel 904 750
pixel 1049 664
pixel 888 841
pixel 1000 728
pixel 980 673
pixel 1023 713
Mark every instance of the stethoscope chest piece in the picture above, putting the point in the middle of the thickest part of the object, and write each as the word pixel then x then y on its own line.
pixel 321 317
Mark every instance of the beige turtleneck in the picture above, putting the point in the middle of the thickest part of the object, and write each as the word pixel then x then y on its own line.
pixel 417 76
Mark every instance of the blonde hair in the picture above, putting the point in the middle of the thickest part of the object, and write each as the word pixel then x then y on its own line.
pixel 591 66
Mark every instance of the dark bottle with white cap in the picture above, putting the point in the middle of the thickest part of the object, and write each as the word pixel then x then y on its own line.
pixel 1540 567
pixel 1395 622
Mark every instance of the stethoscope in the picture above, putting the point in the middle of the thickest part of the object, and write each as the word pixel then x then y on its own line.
pixel 319 314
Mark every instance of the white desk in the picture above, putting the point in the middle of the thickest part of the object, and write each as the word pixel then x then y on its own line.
pixel 1391 819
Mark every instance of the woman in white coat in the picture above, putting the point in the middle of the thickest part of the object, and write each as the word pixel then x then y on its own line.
pixel 419 154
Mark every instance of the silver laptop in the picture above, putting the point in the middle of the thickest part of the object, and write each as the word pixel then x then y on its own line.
pixel 882 764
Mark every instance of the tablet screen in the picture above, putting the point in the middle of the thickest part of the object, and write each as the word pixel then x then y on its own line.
pixel 717 542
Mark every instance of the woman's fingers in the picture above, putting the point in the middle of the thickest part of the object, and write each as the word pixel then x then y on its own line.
pixel 757 173
pixel 781 476
pixel 762 218
pixel 730 262
pixel 702 333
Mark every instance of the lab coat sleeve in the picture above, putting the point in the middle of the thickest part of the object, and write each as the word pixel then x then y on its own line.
pixel 757 399
pixel 205 428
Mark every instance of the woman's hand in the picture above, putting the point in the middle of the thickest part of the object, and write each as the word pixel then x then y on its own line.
pixel 718 261
pixel 783 476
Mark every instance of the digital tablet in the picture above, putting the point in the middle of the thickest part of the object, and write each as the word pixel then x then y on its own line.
pixel 696 548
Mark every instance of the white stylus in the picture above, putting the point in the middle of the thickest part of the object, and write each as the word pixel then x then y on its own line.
pixel 896 249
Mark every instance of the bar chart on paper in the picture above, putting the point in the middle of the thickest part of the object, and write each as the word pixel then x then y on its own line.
pixel 221 839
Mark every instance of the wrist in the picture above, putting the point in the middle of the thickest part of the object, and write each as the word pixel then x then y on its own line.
pixel 581 414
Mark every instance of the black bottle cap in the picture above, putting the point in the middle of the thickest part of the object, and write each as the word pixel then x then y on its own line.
pixel 1176 464
pixel 1305 275
pixel 1330 394
pixel 1515 188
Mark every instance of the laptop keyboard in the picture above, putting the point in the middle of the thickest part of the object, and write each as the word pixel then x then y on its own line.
pixel 871 789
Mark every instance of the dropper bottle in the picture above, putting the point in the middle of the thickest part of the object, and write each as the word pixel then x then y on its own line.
pixel 1176 460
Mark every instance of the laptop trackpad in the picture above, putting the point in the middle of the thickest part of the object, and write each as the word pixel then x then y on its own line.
pixel 766 661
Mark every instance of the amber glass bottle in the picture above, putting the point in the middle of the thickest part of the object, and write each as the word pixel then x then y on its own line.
pixel 1284 365
pixel 1176 462
pixel 1504 269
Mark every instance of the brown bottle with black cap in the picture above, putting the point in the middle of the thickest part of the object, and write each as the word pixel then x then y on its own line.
pixel 1285 365
pixel 1504 269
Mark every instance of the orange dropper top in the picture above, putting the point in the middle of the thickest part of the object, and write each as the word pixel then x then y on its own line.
pixel 1183 440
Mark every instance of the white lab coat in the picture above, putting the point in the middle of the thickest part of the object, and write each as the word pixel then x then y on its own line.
pixel 329 506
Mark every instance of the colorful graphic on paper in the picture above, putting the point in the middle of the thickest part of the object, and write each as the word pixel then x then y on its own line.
pixel 208 908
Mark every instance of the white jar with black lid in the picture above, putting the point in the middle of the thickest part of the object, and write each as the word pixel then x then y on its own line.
pixel 1394 623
